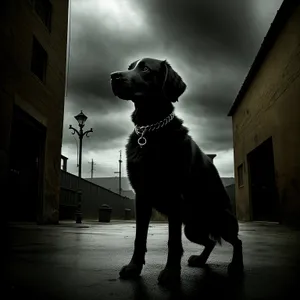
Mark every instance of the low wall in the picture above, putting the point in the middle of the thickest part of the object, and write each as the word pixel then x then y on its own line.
pixel 93 196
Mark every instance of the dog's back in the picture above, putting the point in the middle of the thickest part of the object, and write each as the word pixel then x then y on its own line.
pixel 205 176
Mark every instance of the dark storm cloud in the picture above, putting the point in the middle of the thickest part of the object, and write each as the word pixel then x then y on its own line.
pixel 217 31
pixel 211 100
pixel 210 43
pixel 221 132
pixel 96 51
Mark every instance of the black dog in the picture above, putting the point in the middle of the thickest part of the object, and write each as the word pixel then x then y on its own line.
pixel 170 173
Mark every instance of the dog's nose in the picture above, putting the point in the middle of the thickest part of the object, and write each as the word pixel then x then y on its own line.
pixel 116 76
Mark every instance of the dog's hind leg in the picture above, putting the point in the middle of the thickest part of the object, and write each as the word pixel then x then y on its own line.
pixel 203 239
pixel 230 234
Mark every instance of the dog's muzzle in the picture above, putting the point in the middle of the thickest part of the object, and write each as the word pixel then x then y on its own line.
pixel 116 81
pixel 119 86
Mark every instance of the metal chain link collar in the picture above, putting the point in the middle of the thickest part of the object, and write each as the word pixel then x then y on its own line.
pixel 141 130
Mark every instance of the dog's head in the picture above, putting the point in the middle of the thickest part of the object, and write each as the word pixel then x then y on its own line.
pixel 148 78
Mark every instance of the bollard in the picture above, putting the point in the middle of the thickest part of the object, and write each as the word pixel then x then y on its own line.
pixel 78 214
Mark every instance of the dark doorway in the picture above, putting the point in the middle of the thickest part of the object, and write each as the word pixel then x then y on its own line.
pixel 26 167
pixel 263 191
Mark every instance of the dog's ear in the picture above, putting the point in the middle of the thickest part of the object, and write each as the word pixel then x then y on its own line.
pixel 173 85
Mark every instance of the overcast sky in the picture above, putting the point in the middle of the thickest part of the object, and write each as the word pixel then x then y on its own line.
pixel 210 43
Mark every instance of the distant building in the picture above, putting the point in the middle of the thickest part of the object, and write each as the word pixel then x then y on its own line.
pixel 33 71
pixel 266 126
pixel 228 181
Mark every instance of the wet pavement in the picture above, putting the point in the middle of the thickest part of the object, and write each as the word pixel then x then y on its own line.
pixel 82 261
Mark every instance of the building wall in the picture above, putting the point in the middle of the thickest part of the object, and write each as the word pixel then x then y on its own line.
pixel 271 107
pixel 19 85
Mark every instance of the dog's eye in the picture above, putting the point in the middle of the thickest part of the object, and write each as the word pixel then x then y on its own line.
pixel 145 69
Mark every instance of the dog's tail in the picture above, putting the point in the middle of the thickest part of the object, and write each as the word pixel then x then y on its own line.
pixel 225 224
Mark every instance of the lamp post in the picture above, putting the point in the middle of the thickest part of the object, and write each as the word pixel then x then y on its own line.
pixel 81 119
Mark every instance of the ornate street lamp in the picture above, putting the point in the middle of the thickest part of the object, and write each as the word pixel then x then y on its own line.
pixel 81 119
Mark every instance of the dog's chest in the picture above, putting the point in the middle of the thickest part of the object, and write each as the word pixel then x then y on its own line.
pixel 156 166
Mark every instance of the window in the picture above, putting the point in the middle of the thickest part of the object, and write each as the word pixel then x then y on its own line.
pixel 240 175
pixel 39 60
pixel 43 8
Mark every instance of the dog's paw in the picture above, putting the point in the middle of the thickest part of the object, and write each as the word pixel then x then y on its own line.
pixel 169 276
pixel 235 268
pixel 131 271
pixel 197 261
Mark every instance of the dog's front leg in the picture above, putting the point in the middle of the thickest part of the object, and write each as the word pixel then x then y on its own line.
pixel 143 214
pixel 172 271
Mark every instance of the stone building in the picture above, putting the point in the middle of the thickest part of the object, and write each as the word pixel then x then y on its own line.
pixel 266 126
pixel 33 55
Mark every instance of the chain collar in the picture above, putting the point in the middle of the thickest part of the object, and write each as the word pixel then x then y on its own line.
pixel 141 130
